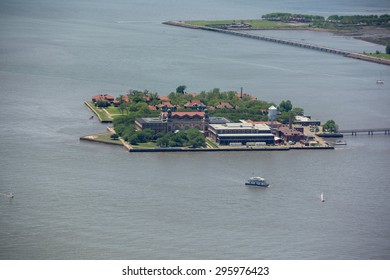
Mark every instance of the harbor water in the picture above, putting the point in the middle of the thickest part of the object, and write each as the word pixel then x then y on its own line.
pixel 81 200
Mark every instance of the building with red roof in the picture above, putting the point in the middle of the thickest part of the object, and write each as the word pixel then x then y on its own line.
pixel 165 105
pixel 119 100
pixel 171 121
pixel 103 97
pixel 288 133
pixel 195 104
pixel 224 105
pixel 164 98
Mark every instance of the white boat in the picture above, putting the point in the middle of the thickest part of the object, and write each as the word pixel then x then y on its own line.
pixel 9 195
pixel 380 81
pixel 322 197
pixel 340 142
pixel 257 181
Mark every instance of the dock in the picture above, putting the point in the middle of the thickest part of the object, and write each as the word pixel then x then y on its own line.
pixel 283 41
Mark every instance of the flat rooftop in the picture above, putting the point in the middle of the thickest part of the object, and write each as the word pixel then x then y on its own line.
pixel 247 135
pixel 149 120
pixel 239 126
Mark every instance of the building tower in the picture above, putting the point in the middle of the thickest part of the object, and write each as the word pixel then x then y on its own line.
pixel 272 114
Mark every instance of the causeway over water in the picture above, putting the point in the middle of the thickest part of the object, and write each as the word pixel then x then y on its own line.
pixel 283 41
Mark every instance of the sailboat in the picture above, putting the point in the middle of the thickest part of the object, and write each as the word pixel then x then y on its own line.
pixel 380 81
pixel 322 197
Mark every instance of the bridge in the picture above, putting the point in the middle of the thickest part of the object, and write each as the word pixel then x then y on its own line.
pixel 369 131
pixel 284 41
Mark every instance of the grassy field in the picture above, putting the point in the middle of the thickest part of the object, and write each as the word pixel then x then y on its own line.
pixel 255 23
pixel 148 145
pixel 211 143
pixel 106 137
pixel 114 110
pixel 381 55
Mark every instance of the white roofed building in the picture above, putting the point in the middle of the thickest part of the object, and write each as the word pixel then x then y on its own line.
pixel 225 134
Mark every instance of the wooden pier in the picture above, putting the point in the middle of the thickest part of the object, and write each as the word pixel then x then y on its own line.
pixel 369 131
pixel 284 41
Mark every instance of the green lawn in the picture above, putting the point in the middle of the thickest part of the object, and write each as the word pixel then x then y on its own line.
pixel 381 55
pixel 255 23
pixel 106 137
pixel 114 110
pixel 148 145
pixel 211 143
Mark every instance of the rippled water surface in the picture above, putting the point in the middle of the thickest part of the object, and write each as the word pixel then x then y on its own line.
pixel 77 200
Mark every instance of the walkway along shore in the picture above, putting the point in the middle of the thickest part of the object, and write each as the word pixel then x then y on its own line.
pixel 97 114
pixel 282 41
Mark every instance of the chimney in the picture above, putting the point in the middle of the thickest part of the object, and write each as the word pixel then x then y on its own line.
pixel 241 93
pixel 290 122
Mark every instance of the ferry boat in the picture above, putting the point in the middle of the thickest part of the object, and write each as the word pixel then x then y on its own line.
pixel 257 181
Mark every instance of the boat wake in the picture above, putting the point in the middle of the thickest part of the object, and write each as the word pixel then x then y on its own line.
pixel 9 195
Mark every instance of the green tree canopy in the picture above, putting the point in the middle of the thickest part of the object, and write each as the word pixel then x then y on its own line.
pixel 181 89
pixel 285 106
pixel 330 126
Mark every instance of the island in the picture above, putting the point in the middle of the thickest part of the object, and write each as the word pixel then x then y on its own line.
pixel 215 120
pixel 371 28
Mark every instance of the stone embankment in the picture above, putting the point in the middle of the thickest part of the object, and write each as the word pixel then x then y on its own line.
pixel 227 149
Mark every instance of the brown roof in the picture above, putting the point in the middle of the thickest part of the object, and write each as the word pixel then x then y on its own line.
pixel 289 132
pixel 164 98
pixel 184 114
pixel 166 103
pixel 103 97
pixel 125 98
pixel 194 103
pixel 224 105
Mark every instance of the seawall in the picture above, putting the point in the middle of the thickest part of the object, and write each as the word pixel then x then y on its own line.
pixel 96 113
pixel 186 150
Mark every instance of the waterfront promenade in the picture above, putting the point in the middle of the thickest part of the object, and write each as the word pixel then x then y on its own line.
pixel 283 41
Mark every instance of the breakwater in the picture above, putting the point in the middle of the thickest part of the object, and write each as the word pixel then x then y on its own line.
pixel 283 41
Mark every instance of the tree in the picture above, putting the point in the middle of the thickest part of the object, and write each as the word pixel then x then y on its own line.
pixel 102 103
pixel 181 89
pixel 285 106
pixel 195 138
pixel 123 107
pixel 330 126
